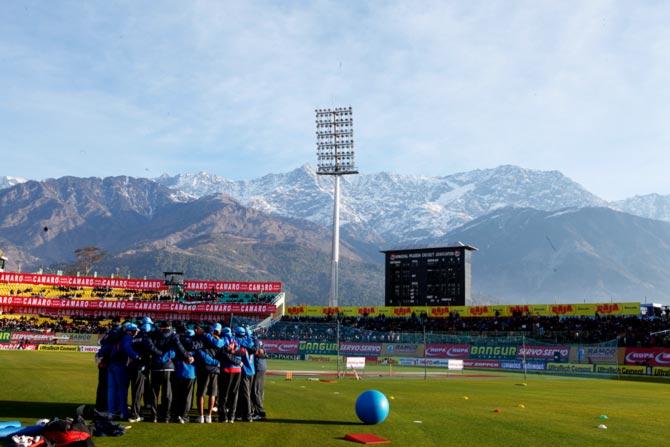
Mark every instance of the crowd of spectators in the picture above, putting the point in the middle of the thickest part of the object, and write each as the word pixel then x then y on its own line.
pixel 131 294
pixel 78 292
pixel 629 331
pixel 227 297
pixel 89 325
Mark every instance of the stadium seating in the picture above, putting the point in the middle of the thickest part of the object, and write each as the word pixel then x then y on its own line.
pixel 35 323
pixel 628 330
pixel 227 297
pixel 86 293
pixel 89 293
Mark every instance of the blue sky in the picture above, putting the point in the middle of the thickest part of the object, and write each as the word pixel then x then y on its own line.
pixel 104 88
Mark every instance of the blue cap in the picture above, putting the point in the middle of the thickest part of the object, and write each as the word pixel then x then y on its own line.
pixel 130 327
pixel 190 332
pixel 147 320
pixel 217 327
pixel 227 331
pixel 146 327
pixel 240 331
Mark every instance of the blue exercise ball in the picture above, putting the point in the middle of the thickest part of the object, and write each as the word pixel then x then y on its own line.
pixel 372 407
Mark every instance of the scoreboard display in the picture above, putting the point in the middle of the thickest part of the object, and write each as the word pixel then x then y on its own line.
pixel 439 276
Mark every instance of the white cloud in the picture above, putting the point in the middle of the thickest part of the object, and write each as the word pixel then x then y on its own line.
pixel 437 87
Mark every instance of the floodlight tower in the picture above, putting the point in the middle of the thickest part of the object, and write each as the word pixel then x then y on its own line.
pixel 335 156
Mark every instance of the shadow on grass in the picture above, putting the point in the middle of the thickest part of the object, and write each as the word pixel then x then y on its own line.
pixel 36 410
pixel 308 422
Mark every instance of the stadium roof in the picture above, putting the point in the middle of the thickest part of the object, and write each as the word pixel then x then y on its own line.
pixel 443 247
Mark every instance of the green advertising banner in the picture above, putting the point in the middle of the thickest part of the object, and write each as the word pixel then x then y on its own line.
pixel 315 347
pixel 5 336
pixel 494 352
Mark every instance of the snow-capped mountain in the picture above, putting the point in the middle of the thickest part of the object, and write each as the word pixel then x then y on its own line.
pixel 396 207
pixel 8 181
pixel 652 206
pixel 392 208
pixel 539 234
pixel 571 255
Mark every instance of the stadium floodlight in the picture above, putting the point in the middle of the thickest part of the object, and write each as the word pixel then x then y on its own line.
pixel 335 156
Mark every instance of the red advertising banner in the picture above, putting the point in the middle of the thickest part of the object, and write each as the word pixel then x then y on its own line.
pixel 139 284
pixel 452 351
pixel 8 302
pixel 281 346
pixel 543 352
pixel 439 311
pixel 363 349
pixel 478 311
pixel 82 281
pixel 226 286
pixel 489 364
pixel 17 347
pixel 35 337
pixel 647 356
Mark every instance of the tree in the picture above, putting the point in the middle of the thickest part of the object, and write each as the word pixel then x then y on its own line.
pixel 87 257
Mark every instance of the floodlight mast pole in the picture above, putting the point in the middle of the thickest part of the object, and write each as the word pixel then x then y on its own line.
pixel 335 156
pixel 335 261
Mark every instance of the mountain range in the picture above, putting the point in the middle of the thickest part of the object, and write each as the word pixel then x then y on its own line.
pixel 541 236
pixel 145 232
pixel 592 253
pixel 394 208
pixel 402 208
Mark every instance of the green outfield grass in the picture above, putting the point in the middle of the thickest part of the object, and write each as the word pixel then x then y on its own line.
pixel 558 411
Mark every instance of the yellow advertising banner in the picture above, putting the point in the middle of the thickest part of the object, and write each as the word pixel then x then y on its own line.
pixel 539 309
pixel 58 348
pixel 661 371
pixel 607 309
pixel 569 367
pixel 418 310
pixel 502 311
pixel 630 308
pixel 348 311
pixel 547 310
pixel 440 311
pixel 400 311
pixel 383 310
pixel 618 308
pixel 584 310
pixel 634 370
pixel 476 311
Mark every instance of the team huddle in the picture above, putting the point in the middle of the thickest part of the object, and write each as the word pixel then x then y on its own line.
pixel 162 366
